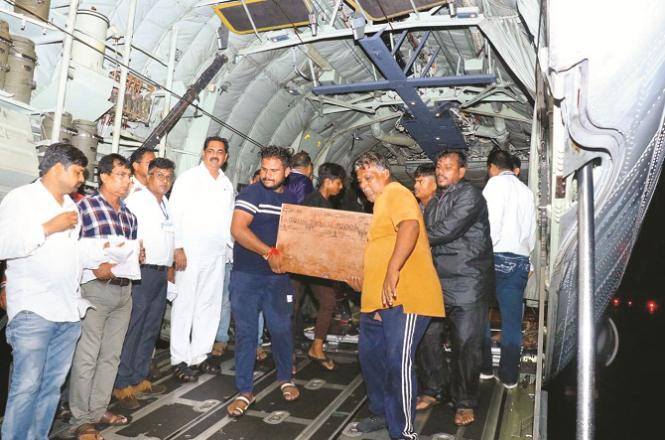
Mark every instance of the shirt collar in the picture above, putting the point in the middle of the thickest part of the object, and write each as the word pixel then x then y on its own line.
pixel 67 201
pixel 204 169
pixel 103 199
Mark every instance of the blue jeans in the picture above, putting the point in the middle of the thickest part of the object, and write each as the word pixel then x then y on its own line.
pixel 387 349
pixel 42 352
pixel 251 294
pixel 512 273
pixel 225 317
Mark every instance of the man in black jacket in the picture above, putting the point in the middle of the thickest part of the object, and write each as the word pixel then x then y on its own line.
pixel 459 234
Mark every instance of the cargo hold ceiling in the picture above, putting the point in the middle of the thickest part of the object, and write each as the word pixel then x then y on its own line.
pixel 267 94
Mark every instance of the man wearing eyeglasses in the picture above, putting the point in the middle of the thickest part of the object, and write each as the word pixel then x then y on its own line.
pixel 155 230
pixel 103 215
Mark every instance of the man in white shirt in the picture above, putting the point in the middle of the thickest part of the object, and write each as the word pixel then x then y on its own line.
pixel 139 162
pixel 202 206
pixel 39 231
pixel 155 229
pixel 512 215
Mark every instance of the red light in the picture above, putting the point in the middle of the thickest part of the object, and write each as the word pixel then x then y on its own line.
pixel 652 306
pixel 616 302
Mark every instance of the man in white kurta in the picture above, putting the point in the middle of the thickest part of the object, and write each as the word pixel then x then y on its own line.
pixel 202 207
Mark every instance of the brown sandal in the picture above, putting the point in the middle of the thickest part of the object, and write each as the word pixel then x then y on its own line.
pixel 218 349
pixel 113 419
pixel 87 431
pixel 290 391
pixel 239 406
pixel 261 354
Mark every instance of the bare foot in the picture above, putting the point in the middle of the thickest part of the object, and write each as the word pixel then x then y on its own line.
pixel 426 402
pixel 464 417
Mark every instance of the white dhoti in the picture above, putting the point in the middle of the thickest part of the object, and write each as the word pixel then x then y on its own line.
pixel 196 310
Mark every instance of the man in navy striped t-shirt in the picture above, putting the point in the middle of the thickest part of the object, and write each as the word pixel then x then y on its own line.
pixel 257 282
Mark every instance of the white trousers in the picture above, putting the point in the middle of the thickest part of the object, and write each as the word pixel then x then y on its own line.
pixel 196 310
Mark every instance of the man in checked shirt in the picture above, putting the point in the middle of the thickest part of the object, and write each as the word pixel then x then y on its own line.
pixel 97 354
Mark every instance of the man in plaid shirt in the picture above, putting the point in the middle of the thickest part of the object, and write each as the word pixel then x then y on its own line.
pixel 103 215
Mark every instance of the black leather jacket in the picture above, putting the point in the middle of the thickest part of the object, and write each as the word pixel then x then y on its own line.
pixel 459 232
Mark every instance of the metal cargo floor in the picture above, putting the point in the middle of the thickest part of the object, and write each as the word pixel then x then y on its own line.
pixel 330 403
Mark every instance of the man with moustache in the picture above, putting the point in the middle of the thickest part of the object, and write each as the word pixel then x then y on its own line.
pixel 103 215
pixel 155 230
pixel 39 231
pixel 400 294
pixel 202 206
pixel 459 233
pixel 139 162
pixel 257 282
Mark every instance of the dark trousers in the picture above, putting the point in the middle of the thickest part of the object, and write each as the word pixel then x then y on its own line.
pixel 149 303
pixel 467 324
pixel 324 294
pixel 386 350
pixel 273 295
pixel 433 374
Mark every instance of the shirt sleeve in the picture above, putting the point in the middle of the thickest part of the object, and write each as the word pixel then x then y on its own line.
pixel 401 205
pixel 87 218
pixel 20 234
pixel 248 200
pixel 495 205
pixel 177 205
pixel 134 205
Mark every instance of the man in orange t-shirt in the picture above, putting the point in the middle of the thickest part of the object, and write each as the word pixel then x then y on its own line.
pixel 400 292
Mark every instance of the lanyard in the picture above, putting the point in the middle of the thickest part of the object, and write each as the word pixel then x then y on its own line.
pixel 162 206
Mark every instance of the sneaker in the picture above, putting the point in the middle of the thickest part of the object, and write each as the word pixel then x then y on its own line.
pixel 486 376
pixel 371 424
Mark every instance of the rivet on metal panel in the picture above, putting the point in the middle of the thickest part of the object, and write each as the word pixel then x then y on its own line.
pixel 276 417
pixel 205 405
pixel 315 384
pixel 443 436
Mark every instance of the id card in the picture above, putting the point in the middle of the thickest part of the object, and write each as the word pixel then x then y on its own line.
pixel 168 226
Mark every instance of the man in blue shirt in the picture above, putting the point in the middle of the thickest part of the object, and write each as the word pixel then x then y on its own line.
pixel 257 282
pixel 299 181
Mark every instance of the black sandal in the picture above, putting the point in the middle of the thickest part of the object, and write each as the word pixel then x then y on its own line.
pixel 184 373
pixel 209 366
pixel 325 362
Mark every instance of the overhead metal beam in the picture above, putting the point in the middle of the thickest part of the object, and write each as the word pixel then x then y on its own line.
pixel 431 60
pixel 433 133
pixel 471 18
pixel 369 86
pixel 416 52
pixel 401 39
